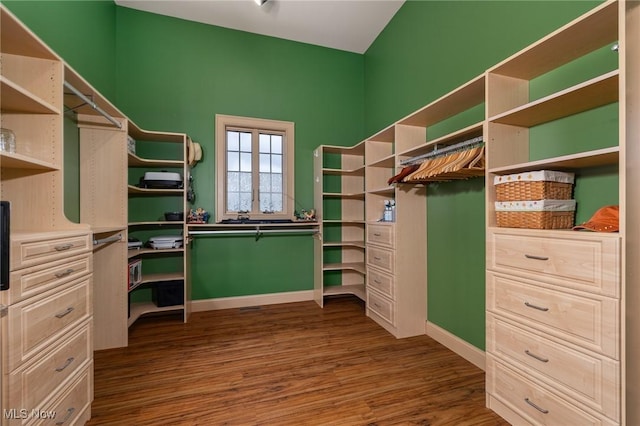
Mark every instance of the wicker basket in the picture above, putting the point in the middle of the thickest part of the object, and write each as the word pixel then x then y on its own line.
pixel 538 185
pixel 535 214
pixel 535 220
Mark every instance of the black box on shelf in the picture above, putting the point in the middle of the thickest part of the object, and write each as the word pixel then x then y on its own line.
pixel 168 293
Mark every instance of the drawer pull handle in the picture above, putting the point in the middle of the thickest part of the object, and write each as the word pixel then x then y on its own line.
pixel 531 256
pixel 538 357
pixel 64 273
pixel 377 234
pixel 65 313
pixel 529 305
pixel 66 364
pixel 376 281
pixel 542 410
pixel 67 417
pixel 63 247
pixel 376 257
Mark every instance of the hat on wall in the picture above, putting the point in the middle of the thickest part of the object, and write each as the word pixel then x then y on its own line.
pixel 194 153
pixel 605 219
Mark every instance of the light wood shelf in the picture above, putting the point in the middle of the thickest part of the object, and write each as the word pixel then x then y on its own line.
pixel 141 308
pixel 587 33
pixel 149 251
pixel 358 244
pixel 600 91
pixel 136 161
pixel 600 157
pixel 354 266
pixel 134 190
pixel 357 171
pixel 9 160
pixel 461 99
pixel 457 136
pixel 17 99
pixel 354 289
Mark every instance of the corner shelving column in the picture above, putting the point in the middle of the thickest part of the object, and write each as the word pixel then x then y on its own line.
pixel 339 200
pixel 146 214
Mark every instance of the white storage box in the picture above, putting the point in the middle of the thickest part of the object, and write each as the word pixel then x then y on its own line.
pixel 165 242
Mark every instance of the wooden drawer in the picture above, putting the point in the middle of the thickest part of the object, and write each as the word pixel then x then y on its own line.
pixel 72 406
pixel 33 382
pixel 34 324
pixel 381 306
pixel 591 322
pixel 534 402
pixel 591 379
pixel 588 262
pixel 382 282
pixel 30 281
pixel 380 258
pixel 33 249
pixel 381 234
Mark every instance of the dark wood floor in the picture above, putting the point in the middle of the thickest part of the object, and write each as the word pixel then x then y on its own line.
pixel 292 364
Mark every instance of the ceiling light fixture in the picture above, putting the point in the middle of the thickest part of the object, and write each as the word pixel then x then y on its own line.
pixel 260 2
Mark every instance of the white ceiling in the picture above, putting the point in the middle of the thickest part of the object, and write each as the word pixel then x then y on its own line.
pixel 350 25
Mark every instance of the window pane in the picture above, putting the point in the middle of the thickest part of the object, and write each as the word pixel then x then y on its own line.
pixel 276 202
pixel 233 141
pixel 265 203
pixel 245 162
pixel 276 182
pixel 276 144
pixel 265 143
pixel 245 202
pixel 233 162
pixel 245 182
pixel 245 142
pixel 265 183
pixel 265 163
pixel 233 181
pixel 233 201
pixel 276 163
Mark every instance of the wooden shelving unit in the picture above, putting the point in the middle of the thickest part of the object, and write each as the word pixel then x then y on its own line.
pixel 523 344
pixel 159 227
pixel 51 261
pixel 340 204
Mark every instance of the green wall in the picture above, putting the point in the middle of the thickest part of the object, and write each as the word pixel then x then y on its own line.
pixel 428 49
pixel 175 75
pixel 82 32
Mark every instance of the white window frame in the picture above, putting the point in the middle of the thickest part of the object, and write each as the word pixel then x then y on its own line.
pixel 287 128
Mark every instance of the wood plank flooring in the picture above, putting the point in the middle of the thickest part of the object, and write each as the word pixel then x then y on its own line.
pixel 290 364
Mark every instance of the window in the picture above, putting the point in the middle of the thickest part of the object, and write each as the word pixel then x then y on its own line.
pixel 254 159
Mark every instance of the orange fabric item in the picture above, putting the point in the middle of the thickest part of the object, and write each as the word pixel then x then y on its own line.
pixel 605 219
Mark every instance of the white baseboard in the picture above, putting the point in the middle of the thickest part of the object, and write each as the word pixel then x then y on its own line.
pixel 248 301
pixel 456 344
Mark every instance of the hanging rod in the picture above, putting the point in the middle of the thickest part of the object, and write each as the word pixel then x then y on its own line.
pixel 437 152
pixel 108 240
pixel 258 232
pixel 93 105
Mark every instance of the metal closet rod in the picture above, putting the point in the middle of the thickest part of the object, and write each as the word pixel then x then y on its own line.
pixel 108 239
pixel 93 105
pixel 442 151
pixel 252 232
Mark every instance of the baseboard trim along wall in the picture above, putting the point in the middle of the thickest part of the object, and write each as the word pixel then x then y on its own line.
pixel 456 344
pixel 248 301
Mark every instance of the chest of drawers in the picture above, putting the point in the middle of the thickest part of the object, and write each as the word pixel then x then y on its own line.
pixel 553 326
pixel 394 300
pixel 48 345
